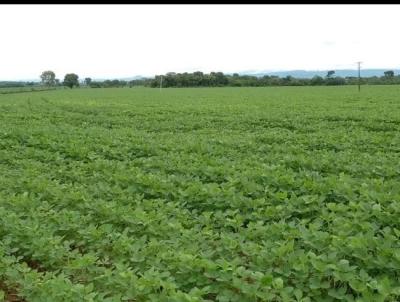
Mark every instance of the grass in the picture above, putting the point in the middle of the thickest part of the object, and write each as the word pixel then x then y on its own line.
pixel 223 194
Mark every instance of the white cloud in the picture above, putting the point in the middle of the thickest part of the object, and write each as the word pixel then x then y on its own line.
pixel 126 40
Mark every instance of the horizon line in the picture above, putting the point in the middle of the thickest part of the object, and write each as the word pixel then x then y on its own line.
pixel 242 72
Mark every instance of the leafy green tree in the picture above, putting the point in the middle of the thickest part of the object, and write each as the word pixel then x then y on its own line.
pixel 221 79
pixel 317 80
pixel 336 81
pixel 48 78
pixel 88 81
pixel 389 74
pixel 330 73
pixel 71 80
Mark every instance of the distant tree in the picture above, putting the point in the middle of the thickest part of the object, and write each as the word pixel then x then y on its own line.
pixel 57 82
pixel 48 78
pixel 336 81
pixel 115 83
pixel 213 79
pixel 330 73
pixel 317 80
pixel 71 80
pixel 220 79
pixel 96 84
pixel 88 81
pixel 389 74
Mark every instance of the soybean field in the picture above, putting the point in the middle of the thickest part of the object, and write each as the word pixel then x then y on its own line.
pixel 200 194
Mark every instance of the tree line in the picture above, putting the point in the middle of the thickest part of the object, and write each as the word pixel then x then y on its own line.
pixel 218 79
pixel 213 79
pixel 48 78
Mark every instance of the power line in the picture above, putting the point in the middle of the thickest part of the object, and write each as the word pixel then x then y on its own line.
pixel 359 75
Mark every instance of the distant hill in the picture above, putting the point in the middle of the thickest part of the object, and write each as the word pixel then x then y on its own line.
pixel 306 74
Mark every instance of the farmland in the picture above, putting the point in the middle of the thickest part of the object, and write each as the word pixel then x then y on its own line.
pixel 12 90
pixel 207 194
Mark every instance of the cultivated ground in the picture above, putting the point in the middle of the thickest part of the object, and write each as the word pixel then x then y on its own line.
pixel 224 194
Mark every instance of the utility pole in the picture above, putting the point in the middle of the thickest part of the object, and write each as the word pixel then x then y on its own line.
pixel 359 76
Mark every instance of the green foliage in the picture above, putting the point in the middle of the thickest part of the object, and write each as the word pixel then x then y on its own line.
pixel 108 84
pixel 88 81
pixel 330 73
pixel 198 79
pixel 230 194
pixel 71 80
pixel 48 78
pixel 389 74
pixel 26 88
pixel 218 79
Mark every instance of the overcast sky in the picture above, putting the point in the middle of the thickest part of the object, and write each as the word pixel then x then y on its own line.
pixel 114 41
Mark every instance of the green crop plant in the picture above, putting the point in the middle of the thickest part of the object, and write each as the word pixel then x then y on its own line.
pixel 206 194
